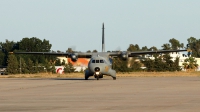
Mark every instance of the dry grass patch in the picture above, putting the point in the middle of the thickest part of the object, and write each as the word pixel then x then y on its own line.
pixel 44 75
pixel 81 75
pixel 158 74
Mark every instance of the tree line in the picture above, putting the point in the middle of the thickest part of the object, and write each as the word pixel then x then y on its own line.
pixel 164 62
pixel 30 64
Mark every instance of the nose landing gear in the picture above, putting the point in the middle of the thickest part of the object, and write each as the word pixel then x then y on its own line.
pixel 97 75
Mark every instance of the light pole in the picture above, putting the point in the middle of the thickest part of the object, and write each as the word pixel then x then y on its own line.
pixel 20 64
pixel 20 69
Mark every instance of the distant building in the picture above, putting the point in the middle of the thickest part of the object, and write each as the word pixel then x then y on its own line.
pixel 80 64
pixel 63 58
pixel 60 69
pixel 181 56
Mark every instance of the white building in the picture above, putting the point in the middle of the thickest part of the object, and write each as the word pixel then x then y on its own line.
pixel 60 69
pixel 80 65
pixel 181 56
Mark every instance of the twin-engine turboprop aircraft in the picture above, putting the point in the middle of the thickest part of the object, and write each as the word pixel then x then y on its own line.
pixel 100 63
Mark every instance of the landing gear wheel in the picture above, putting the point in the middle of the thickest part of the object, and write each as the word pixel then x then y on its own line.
pixel 86 78
pixel 96 76
pixel 114 78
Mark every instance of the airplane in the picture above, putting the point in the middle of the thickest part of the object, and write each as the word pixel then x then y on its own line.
pixel 100 63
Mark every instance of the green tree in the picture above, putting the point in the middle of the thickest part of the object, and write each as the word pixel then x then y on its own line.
pixel 6 47
pixel 88 51
pixel 194 46
pixel 63 62
pixel 153 48
pixel 191 40
pixel 190 64
pixel 136 66
pixel 145 48
pixel 149 64
pixel 69 68
pixel 175 44
pixel 162 63
pixel 47 66
pixel 12 67
pixel 166 46
pixel 30 66
pixel 35 45
pixel 22 66
pixel 159 65
pixel 2 58
pixel 69 50
pixel 94 51
pixel 176 64
pixel 58 62
pixel 53 68
pixel 169 63
pixel 36 67
pixel 133 47
pixel 120 65
pixel 66 68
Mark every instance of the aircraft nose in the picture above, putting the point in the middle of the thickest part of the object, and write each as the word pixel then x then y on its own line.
pixel 96 69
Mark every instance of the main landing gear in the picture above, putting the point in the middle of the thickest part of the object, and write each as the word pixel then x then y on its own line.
pixel 98 76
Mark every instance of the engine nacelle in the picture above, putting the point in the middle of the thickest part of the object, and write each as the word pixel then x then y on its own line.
pixel 124 56
pixel 74 57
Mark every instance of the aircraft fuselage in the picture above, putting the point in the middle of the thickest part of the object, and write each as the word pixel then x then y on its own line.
pixel 100 64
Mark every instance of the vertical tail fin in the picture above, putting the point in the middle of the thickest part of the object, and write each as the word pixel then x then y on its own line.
pixel 103 41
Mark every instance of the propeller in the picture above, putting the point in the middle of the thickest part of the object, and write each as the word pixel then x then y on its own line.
pixel 188 45
pixel 71 49
pixel 118 48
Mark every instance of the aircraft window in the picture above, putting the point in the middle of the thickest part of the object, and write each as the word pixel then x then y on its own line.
pixel 97 61
pixel 93 61
pixel 101 61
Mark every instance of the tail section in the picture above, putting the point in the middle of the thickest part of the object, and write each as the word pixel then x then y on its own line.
pixel 103 41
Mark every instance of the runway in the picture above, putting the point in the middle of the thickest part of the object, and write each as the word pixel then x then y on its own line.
pixel 133 94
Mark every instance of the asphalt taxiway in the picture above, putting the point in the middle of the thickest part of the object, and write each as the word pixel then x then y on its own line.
pixel 151 94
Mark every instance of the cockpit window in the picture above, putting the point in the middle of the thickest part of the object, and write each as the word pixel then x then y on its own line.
pixel 93 61
pixel 98 61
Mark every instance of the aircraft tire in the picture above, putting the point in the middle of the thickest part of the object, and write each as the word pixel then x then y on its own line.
pixel 86 78
pixel 114 78
pixel 97 77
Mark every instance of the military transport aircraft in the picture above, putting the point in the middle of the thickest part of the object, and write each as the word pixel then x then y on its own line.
pixel 100 62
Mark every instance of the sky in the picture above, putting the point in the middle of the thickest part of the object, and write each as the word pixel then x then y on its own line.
pixel 78 23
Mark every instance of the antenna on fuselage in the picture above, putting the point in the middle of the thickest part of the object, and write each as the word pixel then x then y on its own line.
pixel 103 41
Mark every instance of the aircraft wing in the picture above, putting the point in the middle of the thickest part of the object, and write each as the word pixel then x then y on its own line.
pixel 79 54
pixel 153 52
pixel 136 53
pixel 89 55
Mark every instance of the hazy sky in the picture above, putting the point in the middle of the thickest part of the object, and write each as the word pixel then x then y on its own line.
pixel 78 23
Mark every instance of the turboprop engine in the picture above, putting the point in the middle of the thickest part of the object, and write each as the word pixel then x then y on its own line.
pixel 74 57
pixel 124 55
